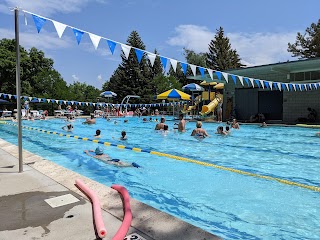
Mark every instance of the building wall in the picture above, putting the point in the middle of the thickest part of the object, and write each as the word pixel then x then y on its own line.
pixel 295 104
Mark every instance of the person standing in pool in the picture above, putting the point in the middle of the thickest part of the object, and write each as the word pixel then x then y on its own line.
pixel 98 132
pixel 199 131
pixel 107 159
pixel 160 125
pixel 182 123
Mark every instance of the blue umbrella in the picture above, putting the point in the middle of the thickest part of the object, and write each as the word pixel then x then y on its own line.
pixel 193 87
pixel 108 94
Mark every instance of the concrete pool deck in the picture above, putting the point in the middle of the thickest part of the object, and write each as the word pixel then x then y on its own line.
pixel 26 215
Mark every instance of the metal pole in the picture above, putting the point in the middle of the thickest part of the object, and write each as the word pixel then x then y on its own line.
pixel 18 85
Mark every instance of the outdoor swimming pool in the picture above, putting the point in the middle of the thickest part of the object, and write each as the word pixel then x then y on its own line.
pixel 228 204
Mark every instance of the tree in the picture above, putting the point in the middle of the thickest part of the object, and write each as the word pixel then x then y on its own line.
pixel 221 56
pixel 164 83
pixel 131 77
pixel 308 44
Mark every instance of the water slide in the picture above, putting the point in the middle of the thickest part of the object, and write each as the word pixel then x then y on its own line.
pixel 206 109
pixel 196 102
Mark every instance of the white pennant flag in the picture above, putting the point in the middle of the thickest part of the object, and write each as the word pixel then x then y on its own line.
pixel 93 104
pixel 241 79
pixel 9 95
pixel 299 86
pixel 72 102
pixel 39 99
pixel 210 71
pixel 30 98
pixel 294 87
pixel 251 80
pixel 193 68
pixel 60 27
pixel 173 64
pixel 87 103
pixel 270 84
pixel 57 101
pixel 225 75
pixel 315 85
pixel 95 39
pixel 306 87
pixel 279 86
pixel 151 57
pixel 48 100
pixel 64 102
pixel 287 86
pixel 262 83
pixel 126 49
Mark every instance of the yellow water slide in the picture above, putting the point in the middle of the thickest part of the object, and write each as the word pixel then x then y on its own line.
pixel 196 102
pixel 206 109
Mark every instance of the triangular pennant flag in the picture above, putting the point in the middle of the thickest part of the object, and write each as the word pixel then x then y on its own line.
pixel 241 79
pixel 279 86
pixel 39 22
pixel 201 70
pixel 112 45
pixel 184 67
pixel 315 86
pixel 64 102
pixel 25 18
pixel 251 80
pixel 60 27
pixel 9 95
pixel 290 86
pixel 270 84
pixel 87 103
pixel 262 83
pixel 48 100
pixel 266 84
pixel 294 87
pixel 139 54
pixel 95 39
pixel 210 71
pixel 94 104
pixel 78 35
pixel 225 75
pixel 15 96
pixel 152 57
pixel 52 100
pixel 234 79
pixel 126 50
pixel 57 101
pixel 218 75
pixel 257 82
pixel 306 87
pixel 164 62
pixel 287 86
pixel 174 64
pixel 246 80
pixel 193 68
pixel 30 98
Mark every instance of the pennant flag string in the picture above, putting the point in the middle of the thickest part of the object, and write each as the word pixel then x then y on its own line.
pixel 60 28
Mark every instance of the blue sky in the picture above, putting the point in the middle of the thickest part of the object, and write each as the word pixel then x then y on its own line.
pixel 258 30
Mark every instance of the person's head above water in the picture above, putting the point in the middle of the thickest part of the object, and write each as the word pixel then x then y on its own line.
pixel 99 150
pixel 98 132
pixel 163 119
pixel 199 124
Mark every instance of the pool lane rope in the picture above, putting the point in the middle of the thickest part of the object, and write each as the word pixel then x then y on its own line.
pixel 280 180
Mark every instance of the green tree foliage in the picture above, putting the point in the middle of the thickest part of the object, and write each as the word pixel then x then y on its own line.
pixel 83 92
pixel 307 45
pixel 164 83
pixel 221 56
pixel 132 77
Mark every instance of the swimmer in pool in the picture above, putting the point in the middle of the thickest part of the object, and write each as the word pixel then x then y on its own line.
pixel 98 132
pixel 68 128
pixel 107 159
pixel 90 120
pixel 199 131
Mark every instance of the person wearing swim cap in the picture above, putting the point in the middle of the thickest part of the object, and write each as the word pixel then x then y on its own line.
pixel 99 154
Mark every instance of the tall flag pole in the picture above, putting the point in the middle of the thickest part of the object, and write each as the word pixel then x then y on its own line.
pixel 18 86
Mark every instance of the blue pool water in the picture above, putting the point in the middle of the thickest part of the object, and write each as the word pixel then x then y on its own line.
pixel 228 204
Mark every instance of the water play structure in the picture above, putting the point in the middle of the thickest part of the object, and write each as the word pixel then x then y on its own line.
pixel 206 109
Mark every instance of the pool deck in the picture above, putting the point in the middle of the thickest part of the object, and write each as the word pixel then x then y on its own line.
pixel 26 215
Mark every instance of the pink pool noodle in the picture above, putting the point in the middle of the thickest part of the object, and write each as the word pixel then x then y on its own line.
pixel 123 230
pixel 98 221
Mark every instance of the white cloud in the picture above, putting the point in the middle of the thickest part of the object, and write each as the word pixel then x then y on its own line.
pixel 43 41
pixel 48 7
pixel 99 78
pixel 75 78
pixel 253 48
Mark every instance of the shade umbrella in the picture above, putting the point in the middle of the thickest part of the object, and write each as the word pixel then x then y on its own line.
pixel 174 94
pixel 108 94
pixel 193 87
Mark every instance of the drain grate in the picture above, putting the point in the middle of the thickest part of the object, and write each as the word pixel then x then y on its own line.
pixel 61 200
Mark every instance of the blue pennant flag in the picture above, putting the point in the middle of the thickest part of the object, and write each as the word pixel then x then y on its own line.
pixel 39 22
pixel 184 67
pixel 164 62
pixel 258 83
pixel 302 87
pixel 139 54
pixel 275 86
pixel 297 87
pixel 234 79
pixel 112 45
pixel 318 85
pixel 247 81
pixel 15 96
pixel 78 34
pixel 283 87
pixel 218 74
pixel 201 70
pixel 52 100
pixel 5 95
pixel 266 84
pixel 313 85
pixel 290 87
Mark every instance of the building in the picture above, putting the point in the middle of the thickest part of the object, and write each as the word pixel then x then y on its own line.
pixel 285 105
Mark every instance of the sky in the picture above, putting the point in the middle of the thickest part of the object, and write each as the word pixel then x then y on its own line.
pixel 258 30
